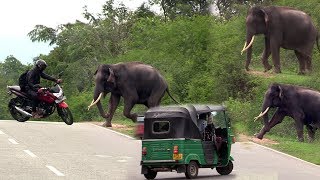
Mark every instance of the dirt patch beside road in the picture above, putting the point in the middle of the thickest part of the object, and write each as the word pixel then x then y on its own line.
pixel 122 128
pixel 264 141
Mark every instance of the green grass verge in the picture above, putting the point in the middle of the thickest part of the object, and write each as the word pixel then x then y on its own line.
pixel 303 150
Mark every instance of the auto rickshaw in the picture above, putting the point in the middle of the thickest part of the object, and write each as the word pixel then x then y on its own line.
pixel 186 138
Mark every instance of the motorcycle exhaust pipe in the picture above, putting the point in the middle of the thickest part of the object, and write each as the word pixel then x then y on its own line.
pixel 22 111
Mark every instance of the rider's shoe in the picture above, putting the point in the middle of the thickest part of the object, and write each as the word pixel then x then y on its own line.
pixel 36 115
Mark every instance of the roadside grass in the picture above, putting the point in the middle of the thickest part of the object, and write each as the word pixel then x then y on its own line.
pixel 303 150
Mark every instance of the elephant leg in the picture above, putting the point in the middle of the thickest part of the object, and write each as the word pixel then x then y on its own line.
pixel 302 62
pixel 276 59
pixel 265 56
pixel 308 64
pixel 275 51
pixel 113 104
pixel 128 105
pixel 155 98
pixel 276 119
pixel 298 117
pixel 311 133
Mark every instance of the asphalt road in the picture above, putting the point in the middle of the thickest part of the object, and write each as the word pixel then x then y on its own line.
pixel 39 150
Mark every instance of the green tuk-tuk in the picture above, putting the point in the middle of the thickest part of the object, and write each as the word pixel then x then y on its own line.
pixel 186 138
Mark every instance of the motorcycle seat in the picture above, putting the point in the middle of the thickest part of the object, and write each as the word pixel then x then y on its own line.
pixel 17 89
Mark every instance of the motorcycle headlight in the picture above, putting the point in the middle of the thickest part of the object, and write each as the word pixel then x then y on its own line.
pixel 59 95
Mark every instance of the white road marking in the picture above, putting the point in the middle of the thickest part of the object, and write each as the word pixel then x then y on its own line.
pixel 122 160
pixel 13 141
pixel 126 157
pixel 103 156
pixel 29 153
pixel 54 170
pixel 1 132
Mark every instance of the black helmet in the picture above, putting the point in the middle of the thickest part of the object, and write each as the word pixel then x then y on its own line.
pixel 41 64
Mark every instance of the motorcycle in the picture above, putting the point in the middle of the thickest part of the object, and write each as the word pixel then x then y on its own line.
pixel 20 107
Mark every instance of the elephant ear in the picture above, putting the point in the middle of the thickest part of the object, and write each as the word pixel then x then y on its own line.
pixel 280 92
pixel 111 78
pixel 266 17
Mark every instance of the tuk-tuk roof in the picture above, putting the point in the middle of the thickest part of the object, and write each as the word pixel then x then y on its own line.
pixel 183 119
pixel 188 110
pixel 202 108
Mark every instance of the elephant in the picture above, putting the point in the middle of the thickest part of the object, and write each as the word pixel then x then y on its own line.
pixel 136 82
pixel 300 103
pixel 282 27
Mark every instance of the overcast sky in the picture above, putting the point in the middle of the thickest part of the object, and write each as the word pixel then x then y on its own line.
pixel 18 17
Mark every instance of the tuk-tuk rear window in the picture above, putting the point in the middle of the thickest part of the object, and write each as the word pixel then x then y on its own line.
pixel 161 127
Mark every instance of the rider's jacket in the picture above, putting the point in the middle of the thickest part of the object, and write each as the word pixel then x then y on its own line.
pixel 33 78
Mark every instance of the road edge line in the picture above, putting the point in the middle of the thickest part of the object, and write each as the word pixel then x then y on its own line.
pixel 282 153
pixel 116 132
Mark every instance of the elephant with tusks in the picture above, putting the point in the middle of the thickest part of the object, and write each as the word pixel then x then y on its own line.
pixel 300 103
pixel 136 82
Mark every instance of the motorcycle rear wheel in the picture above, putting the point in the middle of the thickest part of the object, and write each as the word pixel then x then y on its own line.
pixel 14 112
pixel 65 115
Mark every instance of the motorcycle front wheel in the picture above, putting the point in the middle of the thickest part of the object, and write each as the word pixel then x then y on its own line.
pixel 14 112
pixel 65 115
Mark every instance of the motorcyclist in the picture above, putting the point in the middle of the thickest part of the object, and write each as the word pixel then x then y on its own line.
pixel 33 87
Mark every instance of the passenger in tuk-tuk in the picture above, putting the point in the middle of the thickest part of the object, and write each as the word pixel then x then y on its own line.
pixel 209 130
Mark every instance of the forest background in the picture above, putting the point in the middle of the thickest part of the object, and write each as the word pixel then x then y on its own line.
pixel 197 52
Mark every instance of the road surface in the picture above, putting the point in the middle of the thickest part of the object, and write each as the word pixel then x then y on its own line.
pixel 41 150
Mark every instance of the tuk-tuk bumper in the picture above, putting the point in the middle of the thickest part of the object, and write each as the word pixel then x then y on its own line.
pixel 162 165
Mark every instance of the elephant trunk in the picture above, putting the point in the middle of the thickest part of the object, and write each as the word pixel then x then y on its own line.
pixel 96 101
pixel 248 47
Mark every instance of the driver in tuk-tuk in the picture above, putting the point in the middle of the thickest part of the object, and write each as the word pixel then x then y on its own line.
pixel 206 126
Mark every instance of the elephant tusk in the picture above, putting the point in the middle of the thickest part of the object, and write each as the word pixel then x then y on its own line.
pixel 250 44
pixel 95 102
pixel 90 104
pixel 245 44
pixel 261 114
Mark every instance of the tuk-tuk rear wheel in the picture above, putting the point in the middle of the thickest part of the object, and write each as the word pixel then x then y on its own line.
pixel 151 174
pixel 225 170
pixel 192 170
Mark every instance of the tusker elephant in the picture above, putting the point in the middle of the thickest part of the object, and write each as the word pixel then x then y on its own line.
pixel 282 27
pixel 136 82
pixel 300 103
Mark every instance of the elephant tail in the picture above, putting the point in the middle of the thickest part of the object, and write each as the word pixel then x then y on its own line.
pixel 171 96
pixel 317 38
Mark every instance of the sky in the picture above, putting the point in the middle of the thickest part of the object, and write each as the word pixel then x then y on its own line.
pixel 19 17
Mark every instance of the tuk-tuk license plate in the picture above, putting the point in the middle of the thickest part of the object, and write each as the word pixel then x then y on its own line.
pixel 177 156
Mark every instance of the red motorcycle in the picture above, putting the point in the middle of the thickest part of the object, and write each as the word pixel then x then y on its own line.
pixel 20 107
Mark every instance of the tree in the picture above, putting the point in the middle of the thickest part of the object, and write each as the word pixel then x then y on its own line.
pixel 174 8
pixel 144 12
pixel 11 69
pixel 229 8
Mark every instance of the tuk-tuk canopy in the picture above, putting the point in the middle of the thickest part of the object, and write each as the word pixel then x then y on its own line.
pixel 165 122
